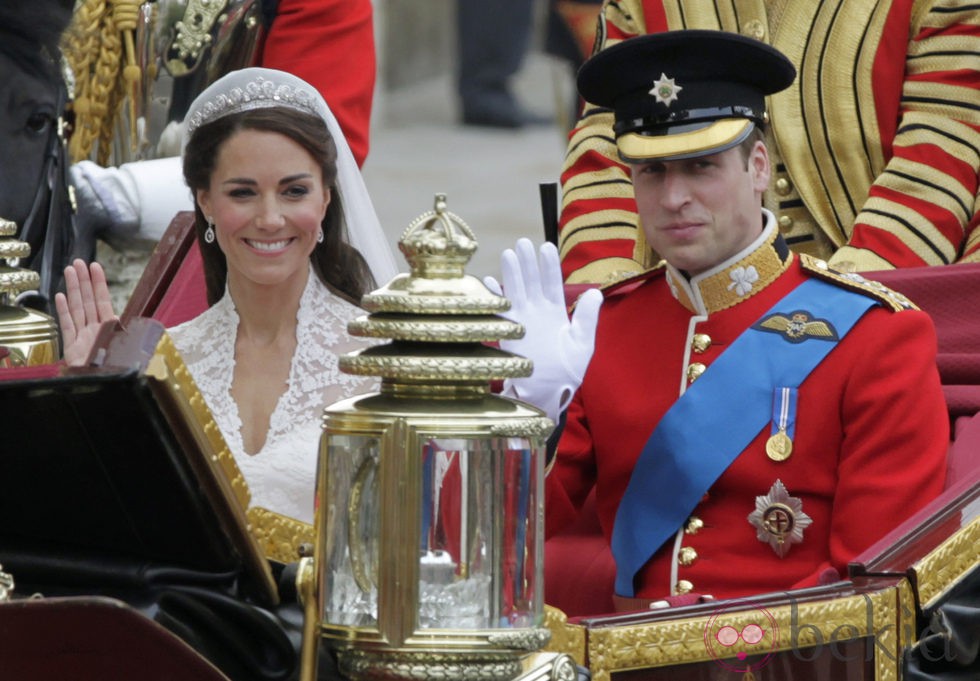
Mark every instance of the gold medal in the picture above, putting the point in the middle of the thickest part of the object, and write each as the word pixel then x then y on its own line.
pixel 779 446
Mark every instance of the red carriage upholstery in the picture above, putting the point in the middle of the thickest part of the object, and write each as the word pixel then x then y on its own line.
pixel 171 289
pixel 91 639
pixel 951 296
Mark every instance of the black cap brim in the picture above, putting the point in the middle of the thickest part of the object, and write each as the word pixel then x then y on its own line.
pixel 701 88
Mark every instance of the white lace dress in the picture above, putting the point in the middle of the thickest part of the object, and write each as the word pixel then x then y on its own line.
pixel 281 476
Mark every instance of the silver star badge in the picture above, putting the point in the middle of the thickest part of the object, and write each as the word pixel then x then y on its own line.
pixel 779 519
pixel 665 90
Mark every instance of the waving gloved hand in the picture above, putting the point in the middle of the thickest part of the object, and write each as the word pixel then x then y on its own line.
pixel 559 347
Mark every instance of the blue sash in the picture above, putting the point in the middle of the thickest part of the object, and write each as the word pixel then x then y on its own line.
pixel 721 413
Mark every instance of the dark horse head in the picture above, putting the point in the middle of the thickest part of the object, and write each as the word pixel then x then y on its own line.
pixel 33 156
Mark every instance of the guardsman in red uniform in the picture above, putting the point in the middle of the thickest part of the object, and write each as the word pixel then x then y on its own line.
pixel 751 419
pixel 874 147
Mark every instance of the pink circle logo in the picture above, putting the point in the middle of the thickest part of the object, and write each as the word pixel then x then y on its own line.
pixel 741 639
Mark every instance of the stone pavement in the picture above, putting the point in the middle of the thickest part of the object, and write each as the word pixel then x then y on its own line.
pixel 490 177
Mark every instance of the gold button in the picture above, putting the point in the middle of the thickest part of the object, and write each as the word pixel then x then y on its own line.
pixel 783 187
pixel 700 342
pixel 683 587
pixel 695 370
pixel 694 525
pixel 754 29
pixel 785 222
pixel 686 556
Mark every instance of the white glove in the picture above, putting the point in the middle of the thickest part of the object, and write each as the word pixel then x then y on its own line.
pixel 130 203
pixel 559 348
pixel 108 204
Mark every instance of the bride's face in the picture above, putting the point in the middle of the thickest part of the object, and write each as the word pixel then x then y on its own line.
pixel 267 200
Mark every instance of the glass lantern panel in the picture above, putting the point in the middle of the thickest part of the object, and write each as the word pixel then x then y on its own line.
pixel 350 530
pixel 481 543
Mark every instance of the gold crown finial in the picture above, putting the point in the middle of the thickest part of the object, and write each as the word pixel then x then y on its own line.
pixel 438 244
pixel 436 315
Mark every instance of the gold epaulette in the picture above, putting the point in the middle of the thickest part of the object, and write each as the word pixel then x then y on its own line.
pixel 622 282
pixel 625 280
pixel 855 282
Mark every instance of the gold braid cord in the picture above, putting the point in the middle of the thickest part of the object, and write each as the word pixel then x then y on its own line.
pixel 97 44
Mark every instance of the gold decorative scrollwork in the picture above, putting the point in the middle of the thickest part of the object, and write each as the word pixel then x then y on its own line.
pixel 436 368
pixel 279 536
pixel 434 304
pixel 520 639
pixel 446 330
pixel 427 666
pixel 171 366
pixel 539 427
pixel 949 562
pixel 565 638
pixel 682 641
pixel 193 34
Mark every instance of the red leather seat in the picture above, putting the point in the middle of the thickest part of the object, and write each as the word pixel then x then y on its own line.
pixel 172 288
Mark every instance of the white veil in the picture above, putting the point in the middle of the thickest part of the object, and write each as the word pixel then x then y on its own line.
pixel 257 87
pixel 363 227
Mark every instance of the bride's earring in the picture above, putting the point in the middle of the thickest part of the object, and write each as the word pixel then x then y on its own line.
pixel 319 237
pixel 209 232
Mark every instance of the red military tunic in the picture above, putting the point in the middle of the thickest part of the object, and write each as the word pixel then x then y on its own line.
pixel 875 146
pixel 870 437
pixel 330 45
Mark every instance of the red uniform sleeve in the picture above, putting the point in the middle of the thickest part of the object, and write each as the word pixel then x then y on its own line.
pixel 572 474
pixel 329 44
pixel 896 434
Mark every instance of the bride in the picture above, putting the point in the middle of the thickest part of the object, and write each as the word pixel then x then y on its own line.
pixel 261 159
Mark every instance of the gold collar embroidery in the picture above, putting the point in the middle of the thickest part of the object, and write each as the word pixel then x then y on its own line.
pixel 738 278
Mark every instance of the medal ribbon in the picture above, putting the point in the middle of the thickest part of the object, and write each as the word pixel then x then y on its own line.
pixel 784 411
pixel 715 420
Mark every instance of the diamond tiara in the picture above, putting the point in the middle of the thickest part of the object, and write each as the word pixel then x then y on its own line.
pixel 256 94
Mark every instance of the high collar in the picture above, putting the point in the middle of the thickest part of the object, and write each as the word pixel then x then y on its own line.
pixel 736 279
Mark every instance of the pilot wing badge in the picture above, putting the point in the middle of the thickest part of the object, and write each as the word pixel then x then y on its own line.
pixel 797 327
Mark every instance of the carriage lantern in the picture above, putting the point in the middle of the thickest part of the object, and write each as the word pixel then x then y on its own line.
pixel 429 542
pixel 27 337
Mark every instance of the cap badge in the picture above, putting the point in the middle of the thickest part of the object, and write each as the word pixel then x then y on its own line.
pixel 779 519
pixel 665 90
